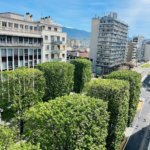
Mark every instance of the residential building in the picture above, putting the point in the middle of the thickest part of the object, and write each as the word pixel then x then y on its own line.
pixel 108 43
pixel 24 42
pixel 73 54
pixel 147 51
pixel 131 54
pixel 141 42
pixel 73 43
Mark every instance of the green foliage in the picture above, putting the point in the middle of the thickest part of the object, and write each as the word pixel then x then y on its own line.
pixel 82 73
pixel 19 90
pixel 59 78
pixel 24 146
pixel 72 122
pixel 116 93
pixel 8 137
pixel 145 66
pixel 134 79
pixel 82 57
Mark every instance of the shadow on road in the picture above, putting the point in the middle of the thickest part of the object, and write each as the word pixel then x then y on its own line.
pixel 140 139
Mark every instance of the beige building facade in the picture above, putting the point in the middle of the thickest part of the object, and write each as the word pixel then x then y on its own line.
pixel 131 54
pixel 24 42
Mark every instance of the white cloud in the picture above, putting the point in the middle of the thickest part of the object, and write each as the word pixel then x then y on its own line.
pixel 68 27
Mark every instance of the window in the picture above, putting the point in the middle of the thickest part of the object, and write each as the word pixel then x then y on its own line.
pixel 30 40
pixel 39 51
pixel 46 37
pixel 15 52
pixel 35 40
pixel 20 52
pixel 15 25
pixel 3 52
pixel 49 28
pixel 52 47
pixel 52 55
pixel 35 62
pixel 21 26
pixel 4 65
pixel 46 56
pixel 30 51
pixel 31 28
pixel 58 38
pixel 25 40
pixel 35 28
pixel 47 47
pixel 9 52
pixel 26 27
pixel 43 27
pixel 4 24
pixel 63 47
pixel 35 52
pixel 10 25
pixel 55 29
pixel 52 38
pixel 9 64
pixel 63 39
pixel 21 62
pixel 26 51
pixel 63 55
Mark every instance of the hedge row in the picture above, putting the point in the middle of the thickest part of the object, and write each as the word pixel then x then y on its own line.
pixel 116 93
pixel 70 122
pixel 59 79
pixel 134 79
pixel 82 73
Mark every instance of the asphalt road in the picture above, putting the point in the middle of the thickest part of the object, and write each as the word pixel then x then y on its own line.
pixel 140 137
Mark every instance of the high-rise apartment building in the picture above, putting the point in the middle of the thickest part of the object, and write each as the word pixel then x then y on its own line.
pixel 24 42
pixel 141 42
pixel 132 50
pixel 108 43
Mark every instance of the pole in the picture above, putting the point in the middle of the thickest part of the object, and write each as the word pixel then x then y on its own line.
pixel 102 72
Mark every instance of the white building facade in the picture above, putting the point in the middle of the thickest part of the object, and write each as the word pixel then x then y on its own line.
pixel 108 45
pixel 141 42
pixel 27 43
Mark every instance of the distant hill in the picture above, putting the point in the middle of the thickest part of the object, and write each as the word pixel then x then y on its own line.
pixel 79 34
pixel 75 33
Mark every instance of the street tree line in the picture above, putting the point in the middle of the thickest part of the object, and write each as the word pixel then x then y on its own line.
pixel 43 115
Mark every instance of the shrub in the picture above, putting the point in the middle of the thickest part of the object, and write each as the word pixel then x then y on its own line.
pixel 134 79
pixel 59 78
pixel 82 73
pixel 20 89
pixel 68 122
pixel 116 93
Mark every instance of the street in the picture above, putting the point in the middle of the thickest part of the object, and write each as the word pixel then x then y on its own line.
pixel 140 136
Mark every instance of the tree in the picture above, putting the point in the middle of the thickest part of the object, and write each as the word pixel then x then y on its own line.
pixel 134 79
pixel 19 90
pixel 130 65
pixel 82 73
pixel 59 79
pixel 68 123
pixel 116 93
pixel 10 139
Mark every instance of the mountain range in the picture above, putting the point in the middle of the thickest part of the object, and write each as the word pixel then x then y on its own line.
pixel 78 34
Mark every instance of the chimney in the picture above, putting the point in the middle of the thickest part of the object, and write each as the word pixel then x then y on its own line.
pixel 46 19
pixel 31 18
pixel 95 16
pixel 55 22
pixel 49 20
pixel 27 16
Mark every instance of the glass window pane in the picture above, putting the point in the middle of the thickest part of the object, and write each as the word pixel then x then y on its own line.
pixel 9 52
pixel 15 25
pixel 31 52
pixel 21 63
pixel 35 52
pixel 3 52
pixel 4 65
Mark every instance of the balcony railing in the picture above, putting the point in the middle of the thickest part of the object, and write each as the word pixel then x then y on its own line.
pixel 9 43
pixel 20 30
pixel 56 42
pixel 56 51
pixel 56 59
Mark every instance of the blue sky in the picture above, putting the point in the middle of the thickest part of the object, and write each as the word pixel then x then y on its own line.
pixel 78 13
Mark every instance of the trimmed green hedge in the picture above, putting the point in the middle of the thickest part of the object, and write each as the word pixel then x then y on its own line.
pixel 59 78
pixel 116 93
pixel 82 73
pixel 134 79
pixel 69 122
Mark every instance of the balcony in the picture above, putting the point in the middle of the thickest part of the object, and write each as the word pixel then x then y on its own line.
pixel 56 42
pixel 56 59
pixel 10 43
pixel 56 51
